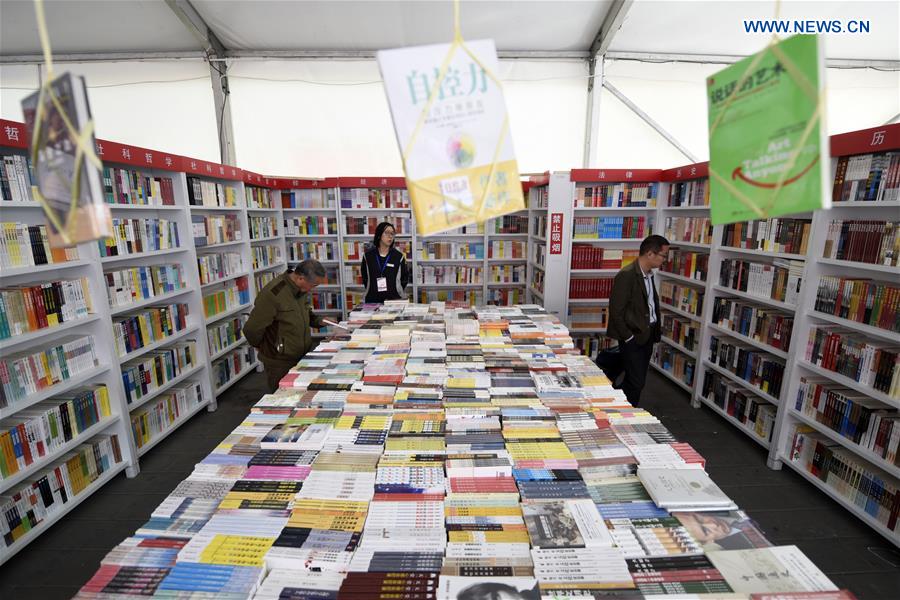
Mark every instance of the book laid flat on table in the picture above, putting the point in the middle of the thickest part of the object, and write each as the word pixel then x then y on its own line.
pixel 775 569
pixel 684 489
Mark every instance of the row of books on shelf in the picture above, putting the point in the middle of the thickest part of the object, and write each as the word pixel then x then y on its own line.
pixel 508 249
pixel 862 485
pixel 871 242
pixel 35 370
pixel 588 317
pixel 263 279
pixel 867 178
pixel 233 293
pixel 23 245
pixel 126 286
pixel 224 333
pixel 31 307
pixel 681 331
pixel 159 416
pixel 441 275
pixel 133 236
pixel 587 256
pixel 326 300
pixel 367 225
pixel 323 198
pixel 752 412
pixel 507 274
pixel 262 227
pixel 232 364
pixel 470 297
pixel 51 490
pixel 676 363
pixel 616 195
pixel 507 224
pixel 215 266
pixel 612 227
pixel 693 265
pixel 772 327
pixel 42 429
pixel 451 251
pixel 136 188
pixel 591 345
pixel 693 230
pixel 215 229
pixel 754 366
pixel 299 251
pixel 374 198
pixel 694 192
pixel 150 372
pixel 310 225
pixel 865 422
pixel 872 303
pixel 777 281
pixel 683 297
pixel 865 361
pixel 266 255
pixel 590 287
pixel 790 236
pixel 16 178
pixel 202 192
pixel 257 197
pixel 153 324
pixel 505 296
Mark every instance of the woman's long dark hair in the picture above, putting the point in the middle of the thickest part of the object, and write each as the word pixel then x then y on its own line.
pixel 380 230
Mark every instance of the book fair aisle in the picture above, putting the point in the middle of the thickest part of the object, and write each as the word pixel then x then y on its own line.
pixel 637 329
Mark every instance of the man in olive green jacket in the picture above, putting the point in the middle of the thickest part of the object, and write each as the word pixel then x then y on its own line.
pixel 279 323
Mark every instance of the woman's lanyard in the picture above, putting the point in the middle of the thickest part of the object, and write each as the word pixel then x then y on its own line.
pixel 382 263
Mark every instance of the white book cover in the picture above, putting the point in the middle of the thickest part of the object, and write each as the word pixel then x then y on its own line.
pixel 684 489
pixel 765 570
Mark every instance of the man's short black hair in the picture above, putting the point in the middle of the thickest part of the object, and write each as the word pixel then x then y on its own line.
pixel 653 243
pixel 310 269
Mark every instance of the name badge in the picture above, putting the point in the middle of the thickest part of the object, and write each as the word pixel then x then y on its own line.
pixel 390 264
pixel 381 284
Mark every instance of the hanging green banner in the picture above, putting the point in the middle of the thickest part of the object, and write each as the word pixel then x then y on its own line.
pixel 767 147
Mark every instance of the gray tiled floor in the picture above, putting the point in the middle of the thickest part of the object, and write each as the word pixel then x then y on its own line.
pixel 787 508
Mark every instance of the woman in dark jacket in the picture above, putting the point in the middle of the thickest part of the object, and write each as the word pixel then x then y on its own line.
pixel 384 270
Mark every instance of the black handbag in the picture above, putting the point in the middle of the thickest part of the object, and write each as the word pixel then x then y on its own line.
pixel 613 366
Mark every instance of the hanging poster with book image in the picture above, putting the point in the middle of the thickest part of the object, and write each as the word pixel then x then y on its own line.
pixel 452 127
pixel 768 154
pixel 67 172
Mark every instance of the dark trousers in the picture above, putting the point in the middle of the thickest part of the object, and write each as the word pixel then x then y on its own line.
pixel 275 370
pixel 636 360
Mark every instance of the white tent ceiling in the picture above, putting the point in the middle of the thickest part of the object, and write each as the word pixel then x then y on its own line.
pixel 248 26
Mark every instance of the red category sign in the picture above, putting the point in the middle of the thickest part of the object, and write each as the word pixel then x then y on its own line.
pixel 876 139
pixel 286 183
pixel 556 233
pixel 372 182
pixel 114 152
pixel 13 134
pixel 686 172
pixel 195 166
pixel 616 175
pixel 258 180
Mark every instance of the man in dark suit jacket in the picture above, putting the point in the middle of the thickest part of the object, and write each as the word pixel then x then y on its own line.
pixel 634 318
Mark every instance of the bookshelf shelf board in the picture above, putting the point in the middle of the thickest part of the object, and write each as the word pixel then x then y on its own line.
pixel 596 209
pixel 451 236
pixel 369 236
pixel 681 278
pixel 594 271
pixel 262 210
pixel 214 208
pixel 373 209
pixel 332 236
pixel 599 301
pixel 324 262
pixel 158 344
pixel 678 311
pixel 587 330
pixel 871 521
pixel 23 474
pixel 9 273
pixel 686 208
pixel 694 245
pixel 142 207
pixel 136 255
pixel 219 245
pixel 172 427
pixel 117 310
pixel 270 267
pixel 31 336
pixel 845 381
pixel 451 285
pixel 20 204
pixel 767 253
pixel 221 390
pixel 847 443
pixel 537 293
pixel 232 346
pixel 679 347
pixel 224 279
pixel 894 204
pixel 576 240
pixel 455 261
pixel 867 330
pixel 737 424
pixel 507 260
pixel 60 388
pixel 165 387
pixel 506 284
pixel 506 235
pixel 849 264
pixel 355 286
pixel 672 378
pixel 328 311
pixel 782 354
pixel 744 384
pixel 721 289
pixel 273 238
pixel 536 266
pixel 10 551
pixel 225 314
pixel 310 209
